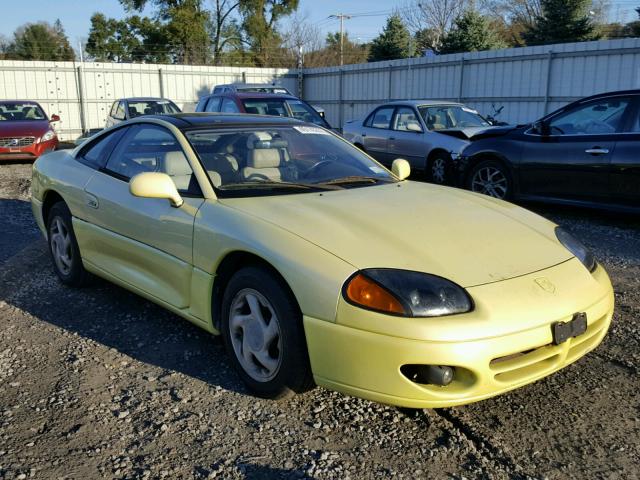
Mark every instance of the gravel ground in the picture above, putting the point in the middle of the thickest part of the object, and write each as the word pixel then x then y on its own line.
pixel 99 383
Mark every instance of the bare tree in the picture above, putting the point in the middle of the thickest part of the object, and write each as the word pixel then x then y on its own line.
pixel 224 30
pixel 434 16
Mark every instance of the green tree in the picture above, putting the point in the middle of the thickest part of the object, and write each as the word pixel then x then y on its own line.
pixel 394 42
pixel 259 22
pixel 632 29
pixel 562 21
pixel 40 41
pixel 186 26
pixel 471 32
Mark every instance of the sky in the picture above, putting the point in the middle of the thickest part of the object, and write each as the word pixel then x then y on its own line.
pixel 75 14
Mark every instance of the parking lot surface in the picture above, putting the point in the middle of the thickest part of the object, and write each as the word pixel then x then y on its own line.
pixel 100 383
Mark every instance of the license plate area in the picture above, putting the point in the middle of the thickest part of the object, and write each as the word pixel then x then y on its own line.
pixel 563 331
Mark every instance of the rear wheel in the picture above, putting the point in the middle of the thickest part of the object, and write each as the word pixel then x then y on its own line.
pixel 491 178
pixel 63 247
pixel 263 334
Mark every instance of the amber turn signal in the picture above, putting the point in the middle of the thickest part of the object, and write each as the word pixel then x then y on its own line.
pixel 367 293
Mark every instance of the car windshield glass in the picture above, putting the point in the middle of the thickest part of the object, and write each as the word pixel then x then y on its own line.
pixel 20 111
pixel 278 108
pixel 285 159
pixel 151 107
pixel 451 116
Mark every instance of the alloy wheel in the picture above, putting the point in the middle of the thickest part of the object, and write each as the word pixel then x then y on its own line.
pixel 490 181
pixel 255 334
pixel 61 246
pixel 438 170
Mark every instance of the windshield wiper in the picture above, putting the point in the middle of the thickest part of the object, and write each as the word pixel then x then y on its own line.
pixel 356 179
pixel 269 184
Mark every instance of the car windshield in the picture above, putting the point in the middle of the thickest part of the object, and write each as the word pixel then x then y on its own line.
pixel 443 117
pixel 284 108
pixel 267 89
pixel 151 107
pixel 283 159
pixel 20 111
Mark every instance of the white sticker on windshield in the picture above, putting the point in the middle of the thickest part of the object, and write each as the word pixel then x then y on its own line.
pixel 311 131
pixel 470 110
pixel 375 169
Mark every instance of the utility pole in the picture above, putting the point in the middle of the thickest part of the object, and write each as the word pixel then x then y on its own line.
pixel 341 17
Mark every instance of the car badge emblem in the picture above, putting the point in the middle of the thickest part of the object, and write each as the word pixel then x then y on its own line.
pixel 14 142
pixel 545 284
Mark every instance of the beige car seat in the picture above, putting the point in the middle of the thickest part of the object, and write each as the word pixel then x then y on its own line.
pixel 177 167
pixel 264 162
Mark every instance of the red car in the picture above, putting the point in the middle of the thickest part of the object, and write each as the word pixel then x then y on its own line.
pixel 25 130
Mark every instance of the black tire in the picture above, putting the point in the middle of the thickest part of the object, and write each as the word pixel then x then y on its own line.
pixel 438 168
pixel 293 374
pixel 502 177
pixel 74 275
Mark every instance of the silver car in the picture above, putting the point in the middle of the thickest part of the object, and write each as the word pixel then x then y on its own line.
pixel 429 134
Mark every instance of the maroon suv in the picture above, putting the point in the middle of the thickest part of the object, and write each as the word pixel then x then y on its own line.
pixel 279 105
pixel 25 130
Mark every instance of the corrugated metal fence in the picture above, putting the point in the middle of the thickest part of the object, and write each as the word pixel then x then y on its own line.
pixel 82 93
pixel 527 81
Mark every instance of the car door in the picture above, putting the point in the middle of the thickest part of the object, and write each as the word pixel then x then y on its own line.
pixel 569 155
pixel 406 143
pixel 624 180
pixel 144 242
pixel 376 131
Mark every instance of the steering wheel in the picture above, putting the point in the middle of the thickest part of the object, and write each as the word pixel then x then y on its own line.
pixel 319 164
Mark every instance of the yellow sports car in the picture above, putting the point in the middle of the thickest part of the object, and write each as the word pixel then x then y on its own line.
pixel 319 266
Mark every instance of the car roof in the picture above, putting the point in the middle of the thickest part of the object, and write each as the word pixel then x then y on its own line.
pixel 221 120
pixel 250 85
pixel 416 103
pixel 32 102
pixel 144 99
pixel 262 95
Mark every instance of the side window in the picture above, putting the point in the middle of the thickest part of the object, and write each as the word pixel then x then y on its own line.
pixel 149 148
pixel 96 153
pixel 635 120
pixel 404 117
pixel 229 106
pixel 201 103
pixel 382 118
pixel 114 108
pixel 597 118
pixel 213 105
pixel 120 111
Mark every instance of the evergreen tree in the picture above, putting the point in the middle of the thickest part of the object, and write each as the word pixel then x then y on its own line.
pixel 394 42
pixel 40 41
pixel 562 21
pixel 471 32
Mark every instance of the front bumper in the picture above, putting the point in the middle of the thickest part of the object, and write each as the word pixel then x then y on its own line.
pixel 492 356
pixel 30 152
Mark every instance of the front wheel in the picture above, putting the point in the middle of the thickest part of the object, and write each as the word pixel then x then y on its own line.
pixel 263 334
pixel 491 178
pixel 437 170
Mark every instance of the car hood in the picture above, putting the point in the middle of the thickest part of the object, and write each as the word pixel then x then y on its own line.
pixel 465 237
pixel 475 133
pixel 26 128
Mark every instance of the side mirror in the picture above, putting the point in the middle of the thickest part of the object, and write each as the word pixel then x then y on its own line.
pixel 401 168
pixel 414 127
pixel 55 118
pixel 155 185
pixel 541 128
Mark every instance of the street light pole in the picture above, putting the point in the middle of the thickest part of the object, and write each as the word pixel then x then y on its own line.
pixel 341 17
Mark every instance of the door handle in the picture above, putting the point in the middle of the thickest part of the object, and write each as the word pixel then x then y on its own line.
pixel 597 151
pixel 392 138
pixel 364 134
